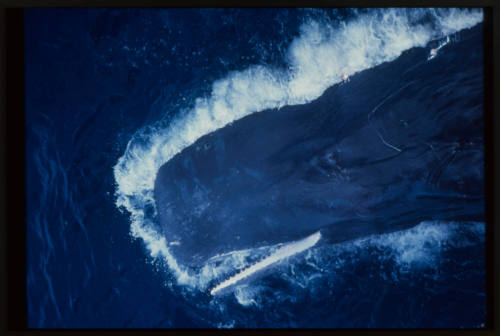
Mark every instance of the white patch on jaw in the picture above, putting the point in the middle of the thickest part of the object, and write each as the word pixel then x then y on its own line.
pixel 433 53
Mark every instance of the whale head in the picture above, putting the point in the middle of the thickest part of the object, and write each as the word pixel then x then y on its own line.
pixel 351 163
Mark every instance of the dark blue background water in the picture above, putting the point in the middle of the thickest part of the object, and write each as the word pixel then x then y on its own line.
pixel 94 77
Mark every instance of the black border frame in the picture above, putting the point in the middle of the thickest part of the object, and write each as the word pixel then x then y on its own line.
pixel 13 319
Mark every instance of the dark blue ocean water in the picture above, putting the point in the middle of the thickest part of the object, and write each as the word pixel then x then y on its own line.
pixel 99 79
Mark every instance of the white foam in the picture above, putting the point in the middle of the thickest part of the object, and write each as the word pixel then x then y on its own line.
pixel 317 59
pixel 422 244
pixel 245 295
pixel 416 250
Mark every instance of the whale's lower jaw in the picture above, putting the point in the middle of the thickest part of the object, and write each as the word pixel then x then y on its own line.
pixel 285 251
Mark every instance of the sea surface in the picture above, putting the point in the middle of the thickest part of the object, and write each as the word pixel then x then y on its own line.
pixel 112 95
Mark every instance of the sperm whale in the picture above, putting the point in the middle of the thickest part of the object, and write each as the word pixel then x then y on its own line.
pixel 281 175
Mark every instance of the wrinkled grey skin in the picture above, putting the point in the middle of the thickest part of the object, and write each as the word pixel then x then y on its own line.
pixel 393 147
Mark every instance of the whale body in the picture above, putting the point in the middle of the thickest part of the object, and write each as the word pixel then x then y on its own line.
pixel 396 145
